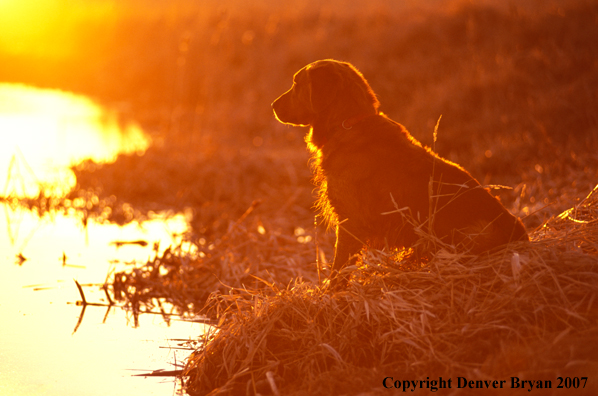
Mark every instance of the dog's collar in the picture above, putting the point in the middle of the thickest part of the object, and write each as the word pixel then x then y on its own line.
pixel 349 122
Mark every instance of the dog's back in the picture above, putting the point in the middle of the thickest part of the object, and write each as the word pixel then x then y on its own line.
pixel 378 168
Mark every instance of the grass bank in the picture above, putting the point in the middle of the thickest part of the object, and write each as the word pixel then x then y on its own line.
pixel 516 88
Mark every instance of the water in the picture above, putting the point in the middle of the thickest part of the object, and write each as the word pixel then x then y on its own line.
pixel 41 133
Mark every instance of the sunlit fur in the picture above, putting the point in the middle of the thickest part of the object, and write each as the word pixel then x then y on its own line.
pixel 377 181
pixel 359 99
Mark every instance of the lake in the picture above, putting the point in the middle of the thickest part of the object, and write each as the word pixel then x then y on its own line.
pixel 46 347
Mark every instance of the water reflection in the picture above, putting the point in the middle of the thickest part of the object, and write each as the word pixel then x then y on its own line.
pixel 40 354
pixel 43 132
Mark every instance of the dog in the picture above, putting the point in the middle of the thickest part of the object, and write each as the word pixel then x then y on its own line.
pixel 378 186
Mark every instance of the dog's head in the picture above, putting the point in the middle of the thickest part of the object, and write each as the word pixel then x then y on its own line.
pixel 325 90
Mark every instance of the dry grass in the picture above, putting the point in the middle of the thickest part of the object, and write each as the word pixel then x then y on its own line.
pixel 528 311
pixel 516 90
pixel 513 86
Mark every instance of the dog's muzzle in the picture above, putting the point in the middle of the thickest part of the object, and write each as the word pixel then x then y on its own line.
pixel 288 111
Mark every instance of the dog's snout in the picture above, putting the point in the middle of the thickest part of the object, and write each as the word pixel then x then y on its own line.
pixel 289 108
pixel 276 103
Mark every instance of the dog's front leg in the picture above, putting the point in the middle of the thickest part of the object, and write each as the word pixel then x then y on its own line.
pixel 347 247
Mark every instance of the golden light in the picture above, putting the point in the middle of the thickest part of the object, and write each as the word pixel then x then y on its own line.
pixel 47 29
pixel 26 27
pixel 45 131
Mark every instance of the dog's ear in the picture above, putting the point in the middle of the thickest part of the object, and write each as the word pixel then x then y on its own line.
pixel 325 83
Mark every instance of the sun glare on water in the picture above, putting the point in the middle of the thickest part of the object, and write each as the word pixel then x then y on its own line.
pixel 43 132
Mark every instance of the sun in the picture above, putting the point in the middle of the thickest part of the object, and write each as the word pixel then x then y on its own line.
pixel 22 25
pixel 35 27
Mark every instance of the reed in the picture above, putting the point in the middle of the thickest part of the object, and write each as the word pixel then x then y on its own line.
pixel 528 310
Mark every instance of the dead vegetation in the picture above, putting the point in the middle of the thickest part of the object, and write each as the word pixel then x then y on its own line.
pixel 529 311
pixel 516 90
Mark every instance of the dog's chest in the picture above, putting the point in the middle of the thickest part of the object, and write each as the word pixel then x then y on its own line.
pixel 350 180
pixel 357 160
pixel 366 171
